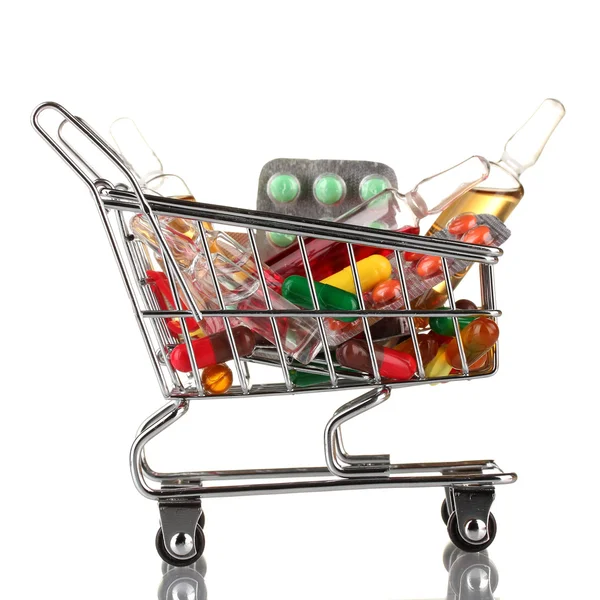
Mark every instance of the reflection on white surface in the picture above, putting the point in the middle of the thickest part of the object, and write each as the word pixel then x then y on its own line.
pixel 183 583
pixel 470 577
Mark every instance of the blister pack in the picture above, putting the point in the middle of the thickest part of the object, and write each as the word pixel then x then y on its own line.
pixel 317 189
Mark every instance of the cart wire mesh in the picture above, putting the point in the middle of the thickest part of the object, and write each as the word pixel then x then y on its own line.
pixel 119 202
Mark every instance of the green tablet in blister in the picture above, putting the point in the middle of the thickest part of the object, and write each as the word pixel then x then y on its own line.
pixel 372 185
pixel 283 188
pixel 329 188
pixel 281 240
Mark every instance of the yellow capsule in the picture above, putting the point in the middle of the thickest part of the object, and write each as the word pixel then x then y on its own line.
pixel 371 271
pixel 439 366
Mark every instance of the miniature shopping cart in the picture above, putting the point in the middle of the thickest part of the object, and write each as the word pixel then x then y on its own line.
pixel 469 486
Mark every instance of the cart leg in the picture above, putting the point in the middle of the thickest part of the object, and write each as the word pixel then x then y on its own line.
pixel 339 462
pixel 180 539
pixel 471 524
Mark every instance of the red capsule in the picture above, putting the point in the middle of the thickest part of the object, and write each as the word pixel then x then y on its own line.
pixel 429 266
pixel 159 284
pixel 392 364
pixel 462 223
pixel 478 235
pixel 213 349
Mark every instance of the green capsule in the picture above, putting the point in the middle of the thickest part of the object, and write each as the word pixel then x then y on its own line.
pixel 445 325
pixel 295 289
pixel 305 379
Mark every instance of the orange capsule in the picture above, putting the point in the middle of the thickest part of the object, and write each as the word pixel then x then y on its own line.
pixel 478 365
pixel 429 266
pixel 478 235
pixel 477 338
pixel 412 256
pixel 462 223
pixel 386 291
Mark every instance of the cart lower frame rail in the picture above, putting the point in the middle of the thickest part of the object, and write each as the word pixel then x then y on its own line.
pixel 469 485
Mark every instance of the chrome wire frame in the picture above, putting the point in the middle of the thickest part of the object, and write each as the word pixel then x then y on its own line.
pixel 342 470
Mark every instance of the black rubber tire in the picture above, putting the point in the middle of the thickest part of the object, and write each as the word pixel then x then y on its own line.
pixel 465 546
pixel 445 513
pixel 202 521
pixel 180 562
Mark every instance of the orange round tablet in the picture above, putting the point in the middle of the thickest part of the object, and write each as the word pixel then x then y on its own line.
pixel 217 379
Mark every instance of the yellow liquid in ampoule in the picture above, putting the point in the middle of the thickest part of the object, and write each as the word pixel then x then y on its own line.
pixel 480 201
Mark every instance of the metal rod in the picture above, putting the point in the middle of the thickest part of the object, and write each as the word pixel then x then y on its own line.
pixel 459 342
pixel 341 232
pixel 365 320
pixel 411 322
pixel 325 313
pixel 265 289
pixel 315 301
pixel 221 301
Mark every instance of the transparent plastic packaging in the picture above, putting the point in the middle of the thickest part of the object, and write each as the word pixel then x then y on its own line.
pixel 239 288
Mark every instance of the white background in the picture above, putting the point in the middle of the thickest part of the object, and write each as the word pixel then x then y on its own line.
pixel 219 89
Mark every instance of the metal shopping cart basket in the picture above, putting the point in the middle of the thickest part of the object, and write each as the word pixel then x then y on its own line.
pixel 469 486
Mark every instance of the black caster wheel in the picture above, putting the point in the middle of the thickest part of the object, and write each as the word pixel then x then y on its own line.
pixel 463 544
pixel 180 562
pixel 445 512
pixel 202 521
